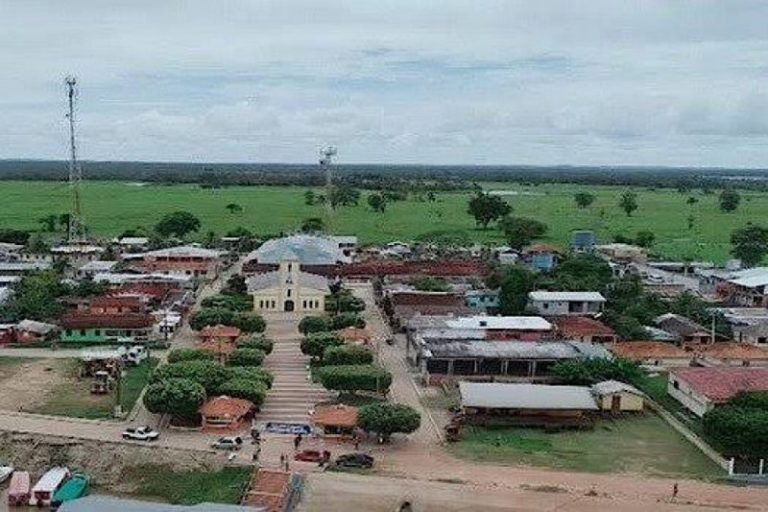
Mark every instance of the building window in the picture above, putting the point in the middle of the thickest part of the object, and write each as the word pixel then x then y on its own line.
pixel 97 332
pixel 317 304
pixel 273 304
pixel 69 332
pixel 675 384
pixel 288 292
pixel 82 332
pixel 261 304
pixel 290 267
pixel 545 305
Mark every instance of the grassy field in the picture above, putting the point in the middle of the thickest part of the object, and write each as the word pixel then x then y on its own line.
pixel 644 445
pixel 187 488
pixel 10 365
pixel 75 400
pixel 111 207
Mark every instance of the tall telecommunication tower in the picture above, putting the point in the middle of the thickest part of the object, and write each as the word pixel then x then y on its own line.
pixel 326 160
pixel 76 229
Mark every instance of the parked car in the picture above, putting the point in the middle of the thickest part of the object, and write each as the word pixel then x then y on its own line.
pixel 354 460
pixel 5 473
pixel 141 434
pixel 228 443
pixel 136 355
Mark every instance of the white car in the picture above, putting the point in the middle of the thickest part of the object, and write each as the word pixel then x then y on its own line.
pixel 228 443
pixel 141 434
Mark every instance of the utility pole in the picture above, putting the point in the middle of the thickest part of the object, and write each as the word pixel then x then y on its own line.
pixel 326 160
pixel 76 228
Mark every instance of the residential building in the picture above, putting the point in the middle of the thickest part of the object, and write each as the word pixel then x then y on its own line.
pixel 685 330
pixel 582 328
pixel 76 255
pixel 583 241
pixel 506 255
pixel 129 244
pixel 732 354
pixel 702 389
pixel 19 268
pixel 617 397
pixel 406 305
pixel 482 301
pixel 527 405
pixel 623 253
pixel 346 244
pixel 30 331
pixel 92 268
pixel 566 303
pixel 10 252
pixel 658 354
pixel 184 260
pixel 106 328
pixel 749 325
pixel 288 289
pixel 541 257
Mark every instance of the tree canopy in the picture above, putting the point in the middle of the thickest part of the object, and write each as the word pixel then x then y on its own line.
pixel 521 231
pixel 750 244
pixel 353 378
pixel 315 344
pixel 246 357
pixel 628 202
pixel 178 224
pixel 313 225
pixel 729 200
pixel 175 396
pixel 377 203
pixel 347 354
pixel 583 199
pixel 487 208
pixel 387 418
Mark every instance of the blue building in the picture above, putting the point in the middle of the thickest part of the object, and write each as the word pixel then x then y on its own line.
pixel 482 301
pixel 541 257
pixel 583 241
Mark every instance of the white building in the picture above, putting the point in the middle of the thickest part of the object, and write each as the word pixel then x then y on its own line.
pixel 566 303
pixel 288 289
pixel 701 389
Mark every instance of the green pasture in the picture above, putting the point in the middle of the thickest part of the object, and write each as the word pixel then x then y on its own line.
pixel 111 207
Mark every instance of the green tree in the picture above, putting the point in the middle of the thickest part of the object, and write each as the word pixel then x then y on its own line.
pixel 584 199
pixel 590 371
pixel 178 224
pixel 354 378
pixel 516 282
pixel 189 354
pixel 628 202
pixel 178 397
pixel 249 322
pixel 255 392
pixel 236 285
pixel 36 297
pixel 315 344
pixel 729 200
pixel 209 374
pixel 691 201
pixel 257 341
pixel 377 203
pixel 255 374
pixel 739 430
pixel 521 231
pixel 309 198
pixel 347 354
pixel 311 324
pixel 750 244
pixel 579 272
pixel 645 238
pixel 431 284
pixel 239 303
pixel 48 223
pixel 312 225
pixel 344 195
pixel 348 319
pixel 211 316
pixel 234 208
pixel 246 357
pixel 487 208
pixel 386 419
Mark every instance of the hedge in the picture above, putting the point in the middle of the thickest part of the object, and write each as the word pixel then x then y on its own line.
pixel 347 355
pixel 246 357
pixel 352 378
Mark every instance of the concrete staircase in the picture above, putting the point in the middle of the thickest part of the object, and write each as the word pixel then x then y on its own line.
pixel 292 394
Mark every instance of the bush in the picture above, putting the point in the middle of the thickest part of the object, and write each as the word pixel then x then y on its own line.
pixel 259 342
pixel 209 374
pixel 343 320
pixel 591 371
pixel 314 345
pixel 230 301
pixel 189 354
pixel 311 324
pixel 249 322
pixel 385 419
pixel 739 431
pixel 246 357
pixel 246 389
pixel 252 373
pixel 343 302
pixel 211 316
pixel 346 355
pixel 177 397
pixel 431 284
pixel 352 378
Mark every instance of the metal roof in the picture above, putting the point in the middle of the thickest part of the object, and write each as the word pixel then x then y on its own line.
pixel 750 278
pixel 18 266
pixel 542 295
pixel 608 387
pixel 520 323
pixel 309 250
pixel 542 350
pixel 526 396
pixel 181 250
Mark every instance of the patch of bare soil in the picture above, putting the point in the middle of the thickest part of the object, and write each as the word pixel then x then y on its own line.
pixel 30 384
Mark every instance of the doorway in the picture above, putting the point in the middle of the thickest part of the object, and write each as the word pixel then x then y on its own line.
pixel 616 404
pixel 288 306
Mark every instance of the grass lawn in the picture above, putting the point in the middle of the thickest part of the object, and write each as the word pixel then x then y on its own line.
pixel 656 388
pixel 10 365
pixel 111 207
pixel 644 444
pixel 74 398
pixel 187 488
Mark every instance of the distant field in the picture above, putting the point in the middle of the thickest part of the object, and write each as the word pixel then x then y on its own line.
pixel 111 207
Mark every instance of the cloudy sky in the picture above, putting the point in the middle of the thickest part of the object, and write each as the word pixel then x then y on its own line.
pixel 471 82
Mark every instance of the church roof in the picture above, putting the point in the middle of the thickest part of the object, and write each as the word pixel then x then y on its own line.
pixel 309 250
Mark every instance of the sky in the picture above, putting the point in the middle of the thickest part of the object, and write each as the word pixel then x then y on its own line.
pixel 604 82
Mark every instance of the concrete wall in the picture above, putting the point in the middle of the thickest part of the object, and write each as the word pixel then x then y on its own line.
pixel 629 402
pixel 691 400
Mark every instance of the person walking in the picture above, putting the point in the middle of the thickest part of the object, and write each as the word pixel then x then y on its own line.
pixel 297 441
pixel 675 490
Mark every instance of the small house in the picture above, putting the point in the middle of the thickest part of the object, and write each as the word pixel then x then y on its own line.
pixel 583 328
pixel 566 303
pixel 702 389
pixel 685 330
pixel 335 420
pixel 106 328
pixel 482 301
pixel 225 413
pixel 617 397
pixel 583 241
pixel 541 257
pixel 30 331
pixel 659 354
pixel 219 333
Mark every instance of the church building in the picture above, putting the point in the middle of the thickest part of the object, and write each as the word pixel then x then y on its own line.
pixel 288 289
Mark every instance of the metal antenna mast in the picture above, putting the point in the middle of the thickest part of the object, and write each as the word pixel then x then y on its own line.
pixel 76 228
pixel 326 160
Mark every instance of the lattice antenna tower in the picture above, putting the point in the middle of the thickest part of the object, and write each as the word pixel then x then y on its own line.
pixel 326 163
pixel 76 230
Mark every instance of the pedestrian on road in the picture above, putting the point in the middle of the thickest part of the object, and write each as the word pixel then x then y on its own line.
pixel 282 459
pixel 357 442
pixel 287 465
pixel 256 454
pixel 675 489
pixel 297 441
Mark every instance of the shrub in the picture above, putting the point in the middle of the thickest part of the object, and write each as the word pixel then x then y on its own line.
pixel 209 374
pixel 346 355
pixel 177 397
pixel 314 345
pixel 231 302
pixel 311 324
pixel 740 431
pixel 211 316
pixel 246 357
pixel 252 373
pixel 189 354
pixel 591 371
pixel 352 378
pixel 343 320
pixel 246 389
pixel 258 341
pixel 385 419
pixel 249 322
pixel 343 302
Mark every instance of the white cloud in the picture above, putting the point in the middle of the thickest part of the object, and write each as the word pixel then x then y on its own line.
pixel 448 81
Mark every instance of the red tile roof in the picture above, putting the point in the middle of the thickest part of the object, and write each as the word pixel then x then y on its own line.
pixel 226 407
pixel 355 335
pixel 541 248
pixel 576 326
pixel 426 299
pixel 220 331
pixel 116 301
pixel 639 350
pixel 335 415
pixel 119 321
pixel 217 348
pixel 464 268
pixel 720 384
pixel 733 351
